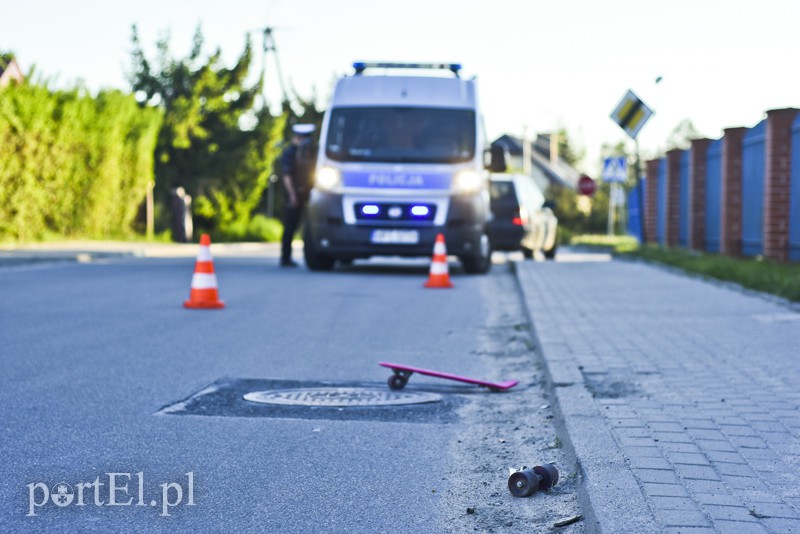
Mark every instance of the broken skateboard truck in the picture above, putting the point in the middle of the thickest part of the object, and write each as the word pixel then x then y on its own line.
pixel 401 374
pixel 526 482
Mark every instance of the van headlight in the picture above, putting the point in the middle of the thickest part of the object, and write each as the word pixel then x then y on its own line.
pixel 328 178
pixel 467 181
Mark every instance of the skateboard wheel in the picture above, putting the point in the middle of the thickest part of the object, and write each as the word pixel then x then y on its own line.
pixel 397 382
pixel 549 475
pixel 523 483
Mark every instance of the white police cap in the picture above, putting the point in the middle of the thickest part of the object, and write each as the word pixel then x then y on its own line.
pixel 303 129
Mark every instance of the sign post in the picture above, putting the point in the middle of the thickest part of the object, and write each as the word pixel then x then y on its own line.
pixel 615 172
pixel 631 114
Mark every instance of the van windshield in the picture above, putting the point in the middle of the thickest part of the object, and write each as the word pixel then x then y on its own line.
pixel 401 134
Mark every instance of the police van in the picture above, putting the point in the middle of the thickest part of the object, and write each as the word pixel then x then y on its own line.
pixel 401 159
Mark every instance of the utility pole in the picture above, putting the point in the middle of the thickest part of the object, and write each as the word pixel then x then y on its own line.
pixel 269 46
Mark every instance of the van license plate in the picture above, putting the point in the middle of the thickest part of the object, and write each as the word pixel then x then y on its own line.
pixel 395 237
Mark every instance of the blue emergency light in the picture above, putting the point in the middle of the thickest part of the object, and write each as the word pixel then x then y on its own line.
pixel 370 209
pixel 420 211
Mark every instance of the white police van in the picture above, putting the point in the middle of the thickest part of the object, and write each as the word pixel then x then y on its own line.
pixel 401 159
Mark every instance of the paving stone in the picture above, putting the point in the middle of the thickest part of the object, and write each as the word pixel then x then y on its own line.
pixel 737 470
pixel 718 499
pixel 745 442
pixel 726 457
pixel 673 503
pixel 672 437
pixel 733 513
pixel 665 426
pixel 652 452
pixel 723 446
pixel 664 490
pixel 705 486
pixel 696 472
pixel 682 518
pixel 644 462
pixel 735 430
pixel 739 527
pixel 783 511
pixel 656 475
pixel 707 434
pixel 679 447
pixel 784 526
pixel 689 458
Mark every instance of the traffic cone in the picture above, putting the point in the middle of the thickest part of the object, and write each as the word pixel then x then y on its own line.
pixel 204 282
pixel 439 276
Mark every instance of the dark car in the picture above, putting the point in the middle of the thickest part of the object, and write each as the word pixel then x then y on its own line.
pixel 522 219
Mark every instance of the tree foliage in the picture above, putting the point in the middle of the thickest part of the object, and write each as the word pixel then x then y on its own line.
pixel 682 135
pixel 577 214
pixel 72 164
pixel 216 142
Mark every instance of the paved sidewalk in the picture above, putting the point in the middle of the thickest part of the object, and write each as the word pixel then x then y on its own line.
pixel 680 398
pixel 90 251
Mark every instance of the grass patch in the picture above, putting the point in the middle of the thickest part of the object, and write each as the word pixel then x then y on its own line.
pixel 781 279
pixel 616 243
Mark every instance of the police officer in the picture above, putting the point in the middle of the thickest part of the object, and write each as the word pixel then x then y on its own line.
pixel 297 164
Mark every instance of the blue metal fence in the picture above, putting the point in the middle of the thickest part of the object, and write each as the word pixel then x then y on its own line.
pixel 794 194
pixel 634 226
pixel 753 169
pixel 661 215
pixel 714 196
pixel 683 204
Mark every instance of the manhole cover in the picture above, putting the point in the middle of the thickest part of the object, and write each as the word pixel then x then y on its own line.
pixel 337 397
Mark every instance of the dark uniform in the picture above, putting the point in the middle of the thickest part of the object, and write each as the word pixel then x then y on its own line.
pixel 299 170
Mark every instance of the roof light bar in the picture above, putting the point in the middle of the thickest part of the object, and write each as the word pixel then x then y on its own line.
pixel 361 66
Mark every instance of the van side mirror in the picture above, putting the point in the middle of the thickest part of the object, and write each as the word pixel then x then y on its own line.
pixel 497 159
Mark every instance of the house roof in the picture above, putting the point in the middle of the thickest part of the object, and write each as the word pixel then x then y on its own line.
pixel 559 172
pixel 9 70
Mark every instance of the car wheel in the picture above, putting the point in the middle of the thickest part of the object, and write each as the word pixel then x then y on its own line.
pixel 528 253
pixel 481 262
pixel 315 261
pixel 551 254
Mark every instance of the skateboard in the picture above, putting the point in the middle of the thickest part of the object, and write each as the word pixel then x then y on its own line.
pixel 401 373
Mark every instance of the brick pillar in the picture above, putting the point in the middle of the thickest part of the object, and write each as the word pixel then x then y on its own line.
pixel 731 231
pixel 672 229
pixel 651 202
pixel 697 193
pixel 778 156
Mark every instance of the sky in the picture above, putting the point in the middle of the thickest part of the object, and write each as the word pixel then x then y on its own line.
pixel 541 65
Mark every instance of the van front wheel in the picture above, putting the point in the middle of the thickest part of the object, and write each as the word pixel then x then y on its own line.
pixel 314 260
pixel 481 262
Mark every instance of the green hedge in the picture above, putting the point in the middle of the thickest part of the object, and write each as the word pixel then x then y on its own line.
pixel 72 165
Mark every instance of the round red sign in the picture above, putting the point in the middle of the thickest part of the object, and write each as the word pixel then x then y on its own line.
pixel 586 186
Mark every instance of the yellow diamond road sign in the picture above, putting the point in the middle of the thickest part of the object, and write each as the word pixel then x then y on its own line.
pixel 631 114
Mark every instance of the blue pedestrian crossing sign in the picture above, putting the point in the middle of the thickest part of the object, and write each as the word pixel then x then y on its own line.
pixel 615 169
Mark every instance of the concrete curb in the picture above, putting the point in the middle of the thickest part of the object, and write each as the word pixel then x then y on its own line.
pixel 610 496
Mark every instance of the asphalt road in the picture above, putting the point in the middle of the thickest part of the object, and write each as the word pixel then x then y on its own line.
pixel 96 358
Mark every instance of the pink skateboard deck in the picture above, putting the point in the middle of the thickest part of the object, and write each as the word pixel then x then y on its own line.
pixel 402 372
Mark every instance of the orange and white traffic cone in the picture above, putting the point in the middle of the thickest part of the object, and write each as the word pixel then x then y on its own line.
pixel 439 276
pixel 204 282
